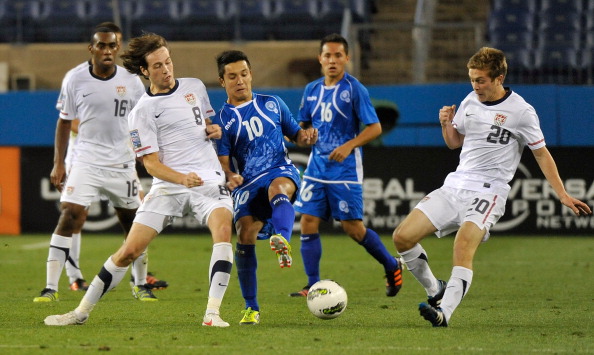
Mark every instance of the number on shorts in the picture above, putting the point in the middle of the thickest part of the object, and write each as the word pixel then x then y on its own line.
pixel 223 190
pixel 481 206
pixel 132 188
pixel 242 198
pixel 306 193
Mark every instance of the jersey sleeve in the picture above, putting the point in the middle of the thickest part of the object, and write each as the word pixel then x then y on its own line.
pixel 304 114
pixel 68 109
pixel 143 132
pixel 289 126
pixel 459 117
pixel 205 105
pixel 529 129
pixel 223 145
pixel 362 104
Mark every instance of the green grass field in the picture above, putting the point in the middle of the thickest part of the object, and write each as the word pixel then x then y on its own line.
pixel 530 295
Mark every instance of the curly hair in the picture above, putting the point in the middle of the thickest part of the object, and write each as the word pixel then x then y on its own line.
pixel 491 60
pixel 139 47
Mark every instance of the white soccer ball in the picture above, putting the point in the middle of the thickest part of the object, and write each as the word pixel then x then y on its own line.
pixel 326 299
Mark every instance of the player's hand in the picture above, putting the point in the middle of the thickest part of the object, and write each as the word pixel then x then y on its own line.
pixel 233 180
pixel 340 153
pixel 446 115
pixel 312 136
pixel 213 131
pixel 192 180
pixel 58 176
pixel 578 207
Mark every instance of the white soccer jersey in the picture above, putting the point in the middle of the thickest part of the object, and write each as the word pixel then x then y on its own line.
pixel 174 124
pixel 495 135
pixel 102 106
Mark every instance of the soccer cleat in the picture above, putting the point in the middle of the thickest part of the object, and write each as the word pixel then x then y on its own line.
pixel 433 315
pixel 142 293
pixel 154 283
pixel 281 247
pixel 250 317
pixel 47 295
pixel 79 285
pixel 69 318
pixel 214 320
pixel 435 301
pixel 394 280
pixel 302 293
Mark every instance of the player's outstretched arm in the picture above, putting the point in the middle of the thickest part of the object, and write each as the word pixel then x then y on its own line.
pixel 233 179
pixel 549 169
pixel 306 137
pixel 161 171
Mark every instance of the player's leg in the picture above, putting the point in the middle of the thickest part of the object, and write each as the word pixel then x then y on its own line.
pixel 280 194
pixel 221 262
pixel 247 265
pixel 111 274
pixel 71 218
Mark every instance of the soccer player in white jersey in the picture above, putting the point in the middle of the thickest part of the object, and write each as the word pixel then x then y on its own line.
pixel 337 105
pixel 258 169
pixel 100 95
pixel 169 129
pixel 492 125
pixel 72 266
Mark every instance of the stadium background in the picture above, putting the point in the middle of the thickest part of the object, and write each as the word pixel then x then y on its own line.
pixel 410 54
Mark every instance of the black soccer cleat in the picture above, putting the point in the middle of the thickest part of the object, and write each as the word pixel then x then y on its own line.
pixel 435 301
pixel 433 315
pixel 394 280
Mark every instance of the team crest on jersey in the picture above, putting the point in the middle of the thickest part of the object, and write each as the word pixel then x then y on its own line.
pixel 271 106
pixel 190 98
pixel 345 96
pixel 500 119
pixel 121 90
pixel 69 190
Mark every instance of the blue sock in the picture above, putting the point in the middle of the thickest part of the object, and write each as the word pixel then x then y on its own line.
pixel 311 253
pixel 283 215
pixel 374 246
pixel 246 263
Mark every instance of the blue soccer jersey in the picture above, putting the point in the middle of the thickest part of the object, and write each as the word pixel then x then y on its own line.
pixel 337 112
pixel 253 135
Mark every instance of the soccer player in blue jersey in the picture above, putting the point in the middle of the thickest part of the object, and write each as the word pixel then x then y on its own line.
pixel 262 178
pixel 338 105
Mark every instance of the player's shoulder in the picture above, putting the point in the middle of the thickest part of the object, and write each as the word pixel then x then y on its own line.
pixel 190 82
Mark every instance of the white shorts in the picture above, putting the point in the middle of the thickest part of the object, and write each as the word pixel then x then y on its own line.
pixel 447 208
pixel 85 183
pixel 162 204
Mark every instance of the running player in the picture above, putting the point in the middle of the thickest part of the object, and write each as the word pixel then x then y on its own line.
pixel 337 105
pixel 169 129
pixel 258 169
pixel 493 125
pixel 104 163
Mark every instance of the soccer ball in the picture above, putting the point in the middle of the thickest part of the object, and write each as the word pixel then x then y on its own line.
pixel 326 299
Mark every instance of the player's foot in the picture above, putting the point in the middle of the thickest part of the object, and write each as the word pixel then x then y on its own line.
pixel 154 283
pixel 69 318
pixel 303 293
pixel 142 293
pixel 47 295
pixel 435 301
pixel 250 317
pixel 433 315
pixel 281 247
pixel 79 285
pixel 214 320
pixel 394 280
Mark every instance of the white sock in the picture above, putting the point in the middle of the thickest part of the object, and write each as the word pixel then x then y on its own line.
pixel 416 262
pixel 108 278
pixel 140 269
pixel 58 252
pixel 457 288
pixel 219 271
pixel 72 265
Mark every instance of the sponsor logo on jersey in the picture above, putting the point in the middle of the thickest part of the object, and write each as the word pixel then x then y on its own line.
pixel 345 96
pixel 500 119
pixel 190 98
pixel 228 125
pixel 271 106
pixel 135 139
pixel 312 98
pixel 121 90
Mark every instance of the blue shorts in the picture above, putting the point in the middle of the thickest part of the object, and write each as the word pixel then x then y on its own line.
pixel 342 201
pixel 251 198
